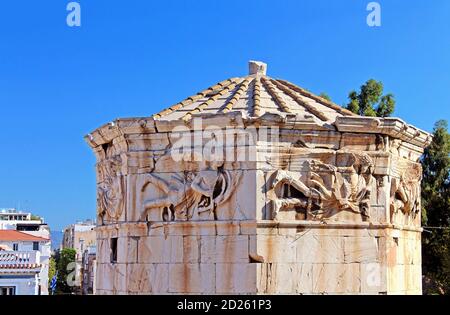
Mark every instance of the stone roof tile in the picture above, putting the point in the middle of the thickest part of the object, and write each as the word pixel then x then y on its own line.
pixel 278 96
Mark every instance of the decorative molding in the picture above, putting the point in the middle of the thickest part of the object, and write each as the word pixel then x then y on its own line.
pixel 393 127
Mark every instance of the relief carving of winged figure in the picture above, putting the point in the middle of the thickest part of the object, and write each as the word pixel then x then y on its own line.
pixel 328 189
pixel 189 193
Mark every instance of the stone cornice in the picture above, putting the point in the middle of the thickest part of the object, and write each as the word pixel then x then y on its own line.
pixel 119 127
pixel 393 127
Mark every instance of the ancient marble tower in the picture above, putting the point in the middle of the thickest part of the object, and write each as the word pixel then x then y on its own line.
pixel 257 186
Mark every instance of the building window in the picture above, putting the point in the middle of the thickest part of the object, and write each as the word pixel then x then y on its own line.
pixel 7 290
pixel 114 250
pixel 15 247
pixel 35 245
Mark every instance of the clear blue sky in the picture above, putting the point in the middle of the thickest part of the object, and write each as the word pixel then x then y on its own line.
pixel 132 58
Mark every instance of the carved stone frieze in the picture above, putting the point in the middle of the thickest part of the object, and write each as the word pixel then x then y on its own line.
pixel 193 193
pixel 326 189
pixel 111 190
pixel 405 189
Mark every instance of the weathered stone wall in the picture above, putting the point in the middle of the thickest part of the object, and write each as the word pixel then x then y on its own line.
pixel 231 258
pixel 318 211
pixel 338 259
pixel 340 252
pixel 178 258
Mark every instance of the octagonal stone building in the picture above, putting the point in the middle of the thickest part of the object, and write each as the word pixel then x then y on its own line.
pixel 257 186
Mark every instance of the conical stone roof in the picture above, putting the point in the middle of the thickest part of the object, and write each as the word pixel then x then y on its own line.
pixel 258 99
pixel 255 95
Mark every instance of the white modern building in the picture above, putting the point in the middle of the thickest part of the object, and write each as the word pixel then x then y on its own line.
pixel 80 236
pixel 24 262
pixel 13 219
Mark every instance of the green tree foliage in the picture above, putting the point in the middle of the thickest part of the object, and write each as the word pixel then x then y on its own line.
pixel 51 269
pixel 65 262
pixel 370 100
pixel 325 96
pixel 436 210
pixel 35 217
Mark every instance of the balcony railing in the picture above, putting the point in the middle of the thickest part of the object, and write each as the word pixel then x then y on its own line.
pixel 19 257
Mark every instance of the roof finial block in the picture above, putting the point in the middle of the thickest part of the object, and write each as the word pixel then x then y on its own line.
pixel 257 67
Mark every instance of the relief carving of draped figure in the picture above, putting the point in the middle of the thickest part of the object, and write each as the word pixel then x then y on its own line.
pixel 327 189
pixel 110 190
pixel 190 194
